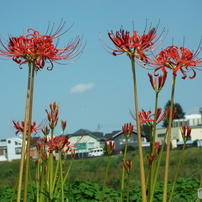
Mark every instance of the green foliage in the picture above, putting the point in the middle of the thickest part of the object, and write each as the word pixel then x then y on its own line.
pixel 79 190
pixel 130 148
pixel 146 130
pixel 179 114
pixel 87 176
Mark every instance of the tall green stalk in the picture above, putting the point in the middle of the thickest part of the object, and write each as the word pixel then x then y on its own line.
pixel 157 167
pixel 177 171
pixel 123 169
pixel 152 144
pixel 128 186
pixel 67 173
pixel 51 167
pixel 106 175
pixel 27 165
pixel 27 133
pixel 165 190
pixel 142 173
pixel 61 177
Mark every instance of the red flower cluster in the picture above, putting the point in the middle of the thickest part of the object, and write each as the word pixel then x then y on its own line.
pixel 152 157
pixel 177 58
pixel 109 146
pixel 186 132
pixel 20 127
pixel 57 143
pixel 147 117
pixel 135 45
pixel 53 115
pixel 127 128
pixel 127 165
pixel 39 49
pixel 157 82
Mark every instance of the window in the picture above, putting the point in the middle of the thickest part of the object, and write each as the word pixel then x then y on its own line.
pixel 91 145
pixel 9 141
pixel 18 150
pixel 161 135
pixel 1 152
pixel 132 139
pixel 122 141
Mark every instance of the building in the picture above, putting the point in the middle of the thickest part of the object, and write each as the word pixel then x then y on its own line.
pixel 85 140
pixel 193 120
pixel 120 140
pixel 10 149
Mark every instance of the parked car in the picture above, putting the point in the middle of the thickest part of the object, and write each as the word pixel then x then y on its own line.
pixel 96 152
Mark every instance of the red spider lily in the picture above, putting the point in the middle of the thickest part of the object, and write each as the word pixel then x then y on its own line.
pixel 186 132
pixel 41 150
pixel 127 128
pixel 177 58
pixel 135 45
pixel 63 124
pixel 53 115
pixel 46 131
pixel 109 146
pixel 147 117
pixel 150 159
pixel 157 82
pixel 57 143
pixel 39 49
pixel 127 164
pixel 20 127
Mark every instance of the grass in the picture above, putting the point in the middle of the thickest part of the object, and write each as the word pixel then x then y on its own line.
pixel 93 169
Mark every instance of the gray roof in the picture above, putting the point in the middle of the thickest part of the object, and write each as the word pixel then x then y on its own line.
pixel 97 135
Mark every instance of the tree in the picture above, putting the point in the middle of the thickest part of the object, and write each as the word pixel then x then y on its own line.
pixel 146 130
pixel 179 114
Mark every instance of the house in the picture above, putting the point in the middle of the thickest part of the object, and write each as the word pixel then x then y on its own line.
pixel 196 134
pixel 85 141
pixel 10 149
pixel 120 140
pixel 191 120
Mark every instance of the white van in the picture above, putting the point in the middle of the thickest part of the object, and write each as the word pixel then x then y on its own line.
pixel 96 152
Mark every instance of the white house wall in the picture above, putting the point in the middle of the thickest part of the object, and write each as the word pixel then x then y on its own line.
pixel 86 141
pixel 14 148
pixel 196 134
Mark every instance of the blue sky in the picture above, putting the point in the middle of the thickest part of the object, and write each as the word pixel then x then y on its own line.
pixel 95 92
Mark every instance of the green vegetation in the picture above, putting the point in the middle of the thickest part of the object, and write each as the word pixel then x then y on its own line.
pixel 87 176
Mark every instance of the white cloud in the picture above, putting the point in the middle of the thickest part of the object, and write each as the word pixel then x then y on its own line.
pixel 80 88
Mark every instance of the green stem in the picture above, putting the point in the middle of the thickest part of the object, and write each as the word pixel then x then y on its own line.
pixel 152 143
pixel 158 166
pixel 50 163
pixel 61 177
pixel 105 179
pixel 177 171
pixel 38 182
pixel 27 121
pixel 123 170
pixel 31 66
pixel 51 167
pixel 128 186
pixel 56 172
pixel 142 173
pixel 42 170
pixel 165 190
pixel 70 166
